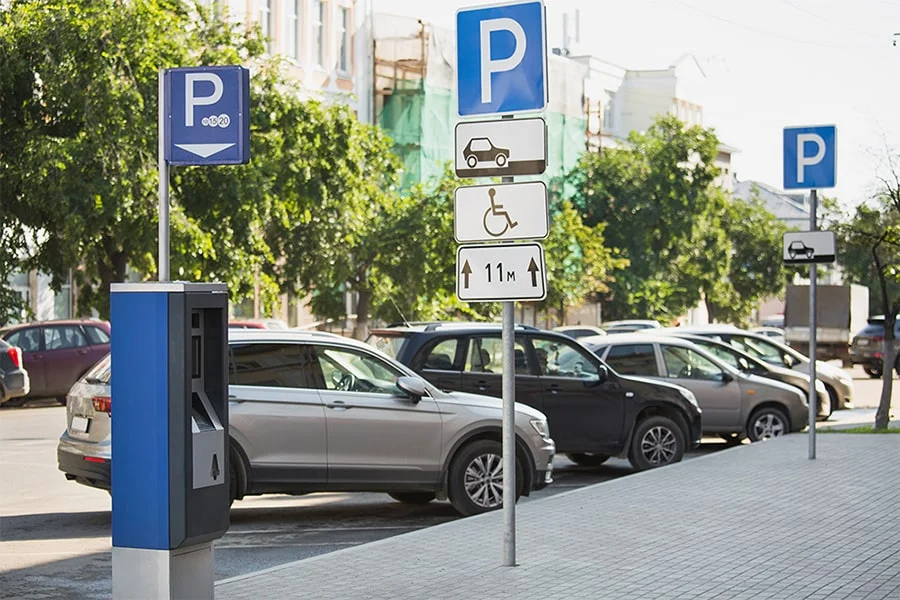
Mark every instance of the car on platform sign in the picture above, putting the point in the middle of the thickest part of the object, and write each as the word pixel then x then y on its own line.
pixel 314 412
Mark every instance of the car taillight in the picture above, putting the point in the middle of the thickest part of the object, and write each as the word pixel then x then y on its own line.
pixel 15 354
pixel 103 404
pixel 878 338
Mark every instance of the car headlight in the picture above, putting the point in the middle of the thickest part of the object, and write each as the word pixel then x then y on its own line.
pixel 690 397
pixel 540 425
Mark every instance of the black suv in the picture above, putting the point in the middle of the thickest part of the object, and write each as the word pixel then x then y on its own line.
pixel 593 412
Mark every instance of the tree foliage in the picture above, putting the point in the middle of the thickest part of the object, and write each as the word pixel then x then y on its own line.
pixel 869 250
pixel 685 239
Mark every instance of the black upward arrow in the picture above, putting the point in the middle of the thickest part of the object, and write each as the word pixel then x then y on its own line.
pixel 466 271
pixel 533 269
pixel 214 468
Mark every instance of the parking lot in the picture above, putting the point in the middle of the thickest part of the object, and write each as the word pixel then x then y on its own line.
pixel 56 534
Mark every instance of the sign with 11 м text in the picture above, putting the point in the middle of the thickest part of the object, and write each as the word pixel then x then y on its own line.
pixel 207 112
pixel 501 58
pixel 495 272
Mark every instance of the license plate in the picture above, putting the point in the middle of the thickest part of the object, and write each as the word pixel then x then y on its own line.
pixel 862 342
pixel 80 424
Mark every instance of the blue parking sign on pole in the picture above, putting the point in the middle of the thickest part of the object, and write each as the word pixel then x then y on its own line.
pixel 207 113
pixel 810 157
pixel 501 58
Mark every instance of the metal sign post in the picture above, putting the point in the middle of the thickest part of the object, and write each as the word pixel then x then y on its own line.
pixel 810 170
pixel 502 74
pixel 812 334
pixel 163 266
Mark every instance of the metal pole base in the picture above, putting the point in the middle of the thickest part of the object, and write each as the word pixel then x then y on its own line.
pixel 183 574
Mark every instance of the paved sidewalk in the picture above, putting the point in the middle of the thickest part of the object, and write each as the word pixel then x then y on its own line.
pixel 756 521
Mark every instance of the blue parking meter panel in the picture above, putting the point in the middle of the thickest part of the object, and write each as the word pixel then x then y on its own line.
pixel 207 111
pixel 810 157
pixel 501 58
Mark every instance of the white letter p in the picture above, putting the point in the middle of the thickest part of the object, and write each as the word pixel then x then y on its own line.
pixel 488 66
pixel 808 161
pixel 190 101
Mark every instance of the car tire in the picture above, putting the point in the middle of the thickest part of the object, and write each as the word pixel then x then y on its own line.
pixel 232 482
pixel 11 402
pixel 657 441
pixel 873 371
pixel 897 366
pixel 501 159
pixel 588 459
pixel 61 400
pixel 470 464
pixel 412 497
pixel 767 422
pixel 472 162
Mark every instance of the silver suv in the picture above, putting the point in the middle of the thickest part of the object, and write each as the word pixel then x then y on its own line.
pixel 314 412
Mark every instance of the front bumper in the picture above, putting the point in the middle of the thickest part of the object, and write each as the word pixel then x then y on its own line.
pixel 88 466
pixel 543 473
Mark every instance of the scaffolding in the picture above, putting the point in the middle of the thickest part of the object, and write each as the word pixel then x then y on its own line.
pixel 415 100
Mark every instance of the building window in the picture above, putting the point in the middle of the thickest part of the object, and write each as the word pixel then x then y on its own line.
pixel 607 125
pixel 266 18
pixel 344 36
pixel 320 17
pixel 293 24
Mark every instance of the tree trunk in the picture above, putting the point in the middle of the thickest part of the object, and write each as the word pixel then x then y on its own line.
pixel 361 328
pixel 710 310
pixel 882 415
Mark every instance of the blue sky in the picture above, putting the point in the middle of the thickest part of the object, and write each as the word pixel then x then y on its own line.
pixel 769 64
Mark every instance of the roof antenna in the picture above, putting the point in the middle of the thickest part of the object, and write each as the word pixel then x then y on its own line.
pixel 399 312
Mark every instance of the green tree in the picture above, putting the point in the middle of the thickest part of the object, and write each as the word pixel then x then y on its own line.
pixel 579 264
pixel 649 194
pixel 869 250
pixel 750 251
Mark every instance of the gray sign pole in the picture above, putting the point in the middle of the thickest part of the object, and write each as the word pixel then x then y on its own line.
pixel 509 426
pixel 812 334
pixel 163 260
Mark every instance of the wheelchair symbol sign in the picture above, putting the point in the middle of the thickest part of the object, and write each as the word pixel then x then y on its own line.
pixel 512 211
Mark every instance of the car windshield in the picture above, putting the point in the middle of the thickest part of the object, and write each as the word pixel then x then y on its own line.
pixel 99 373
pixel 388 344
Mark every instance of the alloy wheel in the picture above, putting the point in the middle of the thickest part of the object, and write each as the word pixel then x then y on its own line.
pixel 484 480
pixel 768 426
pixel 658 445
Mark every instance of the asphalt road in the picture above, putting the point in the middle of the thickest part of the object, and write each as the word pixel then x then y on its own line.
pixel 55 534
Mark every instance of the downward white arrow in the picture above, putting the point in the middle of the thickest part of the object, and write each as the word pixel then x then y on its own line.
pixel 204 150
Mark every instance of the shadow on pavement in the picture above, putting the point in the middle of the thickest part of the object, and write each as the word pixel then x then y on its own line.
pixel 56 526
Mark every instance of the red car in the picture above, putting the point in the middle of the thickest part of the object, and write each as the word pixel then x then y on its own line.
pixel 57 353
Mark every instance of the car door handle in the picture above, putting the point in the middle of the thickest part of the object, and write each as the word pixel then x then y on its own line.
pixel 82 352
pixel 338 405
pixel 236 399
pixel 553 389
pixel 481 386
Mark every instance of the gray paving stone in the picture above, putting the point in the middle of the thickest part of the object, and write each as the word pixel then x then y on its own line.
pixel 756 521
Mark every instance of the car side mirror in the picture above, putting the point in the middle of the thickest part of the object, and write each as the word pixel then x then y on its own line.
pixel 413 387
pixel 727 377
pixel 602 376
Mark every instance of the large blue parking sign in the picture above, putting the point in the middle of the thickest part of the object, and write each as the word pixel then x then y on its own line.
pixel 501 58
pixel 207 115
pixel 810 157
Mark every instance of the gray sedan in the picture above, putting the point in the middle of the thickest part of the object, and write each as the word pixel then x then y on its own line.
pixel 735 405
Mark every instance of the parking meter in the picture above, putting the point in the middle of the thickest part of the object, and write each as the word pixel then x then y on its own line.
pixel 170 469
